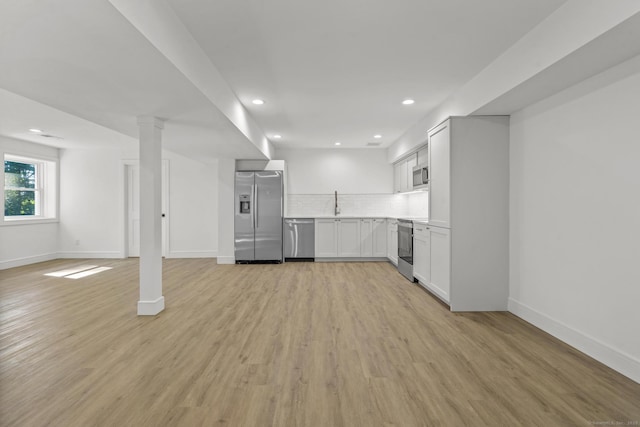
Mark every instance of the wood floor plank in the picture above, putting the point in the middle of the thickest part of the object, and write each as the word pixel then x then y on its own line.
pixel 298 344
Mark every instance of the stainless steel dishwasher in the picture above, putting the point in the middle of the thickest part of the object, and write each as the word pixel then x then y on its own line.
pixel 299 239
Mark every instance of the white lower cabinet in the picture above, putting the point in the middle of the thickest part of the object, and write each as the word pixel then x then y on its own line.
pixel 392 240
pixel 337 238
pixel 432 259
pixel 421 253
pixel 366 236
pixel 348 237
pixel 440 262
pixel 351 238
pixel 326 238
pixel 379 238
pixel 373 235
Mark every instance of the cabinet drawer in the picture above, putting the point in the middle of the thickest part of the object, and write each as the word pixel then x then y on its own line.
pixel 421 231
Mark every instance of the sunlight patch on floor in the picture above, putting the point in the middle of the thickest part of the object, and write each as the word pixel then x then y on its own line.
pixel 68 271
pixel 88 273
pixel 78 272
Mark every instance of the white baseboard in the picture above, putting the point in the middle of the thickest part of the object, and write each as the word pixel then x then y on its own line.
pixel 192 254
pixel 19 262
pixel 444 296
pixel 624 363
pixel 150 308
pixel 89 254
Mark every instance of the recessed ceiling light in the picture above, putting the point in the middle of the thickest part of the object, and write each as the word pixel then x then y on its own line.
pixel 277 136
pixel 377 136
pixel 338 143
pixel 35 130
pixel 408 102
pixel 258 101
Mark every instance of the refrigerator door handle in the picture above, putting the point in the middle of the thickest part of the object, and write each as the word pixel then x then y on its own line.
pixel 253 209
pixel 256 205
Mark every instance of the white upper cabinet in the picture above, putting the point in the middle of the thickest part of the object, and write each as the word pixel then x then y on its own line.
pixel 439 175
pixel 423 155
pixel 403 174
pixel 411 162
pixel 399 176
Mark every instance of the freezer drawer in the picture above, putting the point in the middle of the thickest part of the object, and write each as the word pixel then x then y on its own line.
pixel 299 239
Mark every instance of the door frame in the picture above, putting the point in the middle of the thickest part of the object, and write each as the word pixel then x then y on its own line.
pixel 124 187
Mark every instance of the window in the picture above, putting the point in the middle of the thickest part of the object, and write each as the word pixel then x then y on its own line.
pixel 29 188
pixel 22 188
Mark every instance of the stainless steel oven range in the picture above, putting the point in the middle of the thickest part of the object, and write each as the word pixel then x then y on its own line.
pixel 405 248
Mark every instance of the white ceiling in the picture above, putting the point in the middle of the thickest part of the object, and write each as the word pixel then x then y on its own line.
pixel 328 71
pixel 61 130
pixel 338 70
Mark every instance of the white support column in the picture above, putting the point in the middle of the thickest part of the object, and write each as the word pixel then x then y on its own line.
pixel 151 299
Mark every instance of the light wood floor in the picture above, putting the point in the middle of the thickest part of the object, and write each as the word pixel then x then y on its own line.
pixel 299 344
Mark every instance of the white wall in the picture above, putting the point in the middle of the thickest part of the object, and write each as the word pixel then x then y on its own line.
pixel 193 201
pixel 383 205
pixel 575 216
pixel 26 243
pixel 362 177
pixel 92 205
pixel 349 171
pixel 314 205
pixel 226 187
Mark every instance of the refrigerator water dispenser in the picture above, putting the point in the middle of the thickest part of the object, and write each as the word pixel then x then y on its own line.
pixel 245 204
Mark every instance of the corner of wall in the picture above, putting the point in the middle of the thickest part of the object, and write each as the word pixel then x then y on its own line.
pixel 625 364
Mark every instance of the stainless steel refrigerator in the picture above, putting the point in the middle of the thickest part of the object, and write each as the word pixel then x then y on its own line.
pixel 258 216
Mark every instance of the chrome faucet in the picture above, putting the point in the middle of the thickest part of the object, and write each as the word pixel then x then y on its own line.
pixel 337 209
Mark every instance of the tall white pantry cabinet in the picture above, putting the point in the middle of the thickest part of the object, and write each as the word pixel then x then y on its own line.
pixel 469 213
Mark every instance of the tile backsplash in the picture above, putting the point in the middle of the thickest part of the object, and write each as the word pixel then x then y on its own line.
pixel 392 205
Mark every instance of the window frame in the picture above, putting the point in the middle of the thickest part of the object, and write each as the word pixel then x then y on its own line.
pixel 45 191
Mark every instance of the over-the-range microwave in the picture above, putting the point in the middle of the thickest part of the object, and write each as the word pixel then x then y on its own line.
pixel 420 177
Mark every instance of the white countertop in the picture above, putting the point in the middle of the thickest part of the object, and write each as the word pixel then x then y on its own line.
pixel 339 217
pixel 420 220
